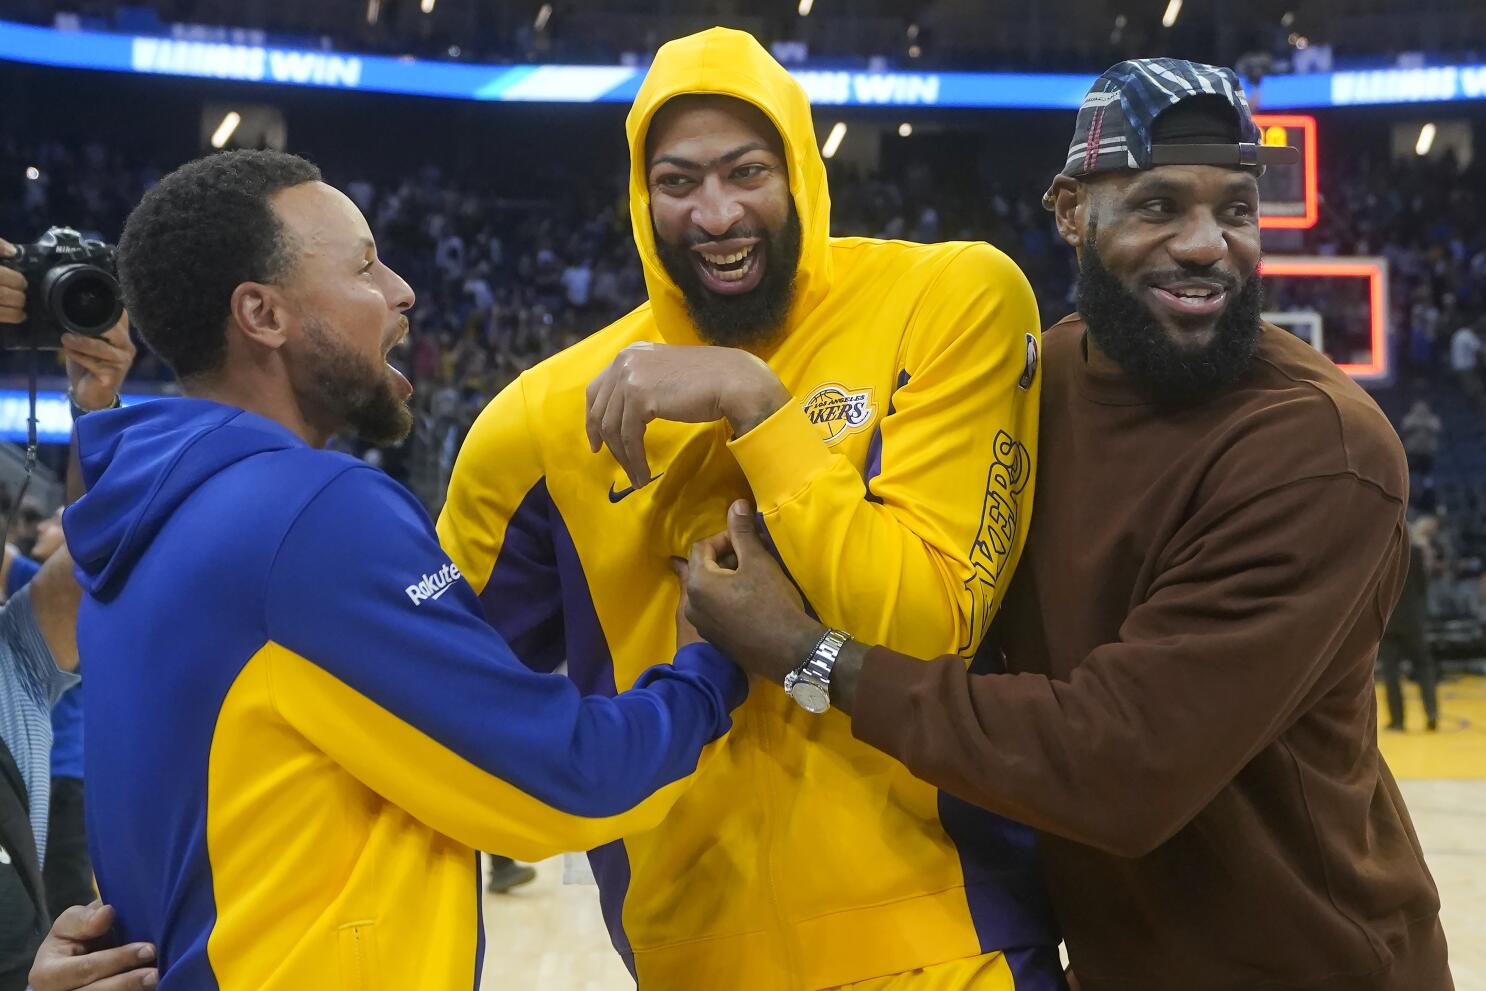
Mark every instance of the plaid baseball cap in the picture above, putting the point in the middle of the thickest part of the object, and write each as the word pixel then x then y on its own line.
pixel 1117 130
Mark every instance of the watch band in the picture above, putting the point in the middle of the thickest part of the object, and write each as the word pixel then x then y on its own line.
pixel 810 683
pixel 78 411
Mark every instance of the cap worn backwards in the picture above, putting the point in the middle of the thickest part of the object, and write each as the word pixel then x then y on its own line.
pixel 1144 113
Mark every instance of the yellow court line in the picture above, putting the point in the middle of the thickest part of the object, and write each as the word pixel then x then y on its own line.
pixel 1457 750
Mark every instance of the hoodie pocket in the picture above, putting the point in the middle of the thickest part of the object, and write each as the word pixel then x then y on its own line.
pixel 358 956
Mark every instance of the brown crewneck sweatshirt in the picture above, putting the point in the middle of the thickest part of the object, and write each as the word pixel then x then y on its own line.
pixel 1188 716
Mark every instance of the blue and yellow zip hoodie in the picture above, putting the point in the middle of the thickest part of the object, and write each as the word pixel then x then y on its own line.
pixel 896 488
pixel 300 726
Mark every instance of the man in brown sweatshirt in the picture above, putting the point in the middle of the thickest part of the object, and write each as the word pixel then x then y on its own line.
pixel 1185 707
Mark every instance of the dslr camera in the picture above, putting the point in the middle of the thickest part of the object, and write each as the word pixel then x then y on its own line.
pixel 71 285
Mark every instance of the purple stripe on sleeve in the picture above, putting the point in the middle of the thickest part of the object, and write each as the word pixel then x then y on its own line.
pixel 522 598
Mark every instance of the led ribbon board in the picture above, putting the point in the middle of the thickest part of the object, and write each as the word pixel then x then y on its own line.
pixel 619 83
pixel 53 415
pixel 1431 84
pixel 523 83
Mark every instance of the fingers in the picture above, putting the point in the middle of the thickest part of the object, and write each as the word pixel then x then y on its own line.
pixel 118 336
pixel 632 440
pixel 713 554
pixel 97 366
pixel 696 561
pixel 64 963
pixel 609 422
pixel 139 980
pixel 743 531
pixel 12 299
pixel 690 572
pixel 94 347
pixel 726 554
pixel 12 289
pixel 123 967
pixel 82 923
pixel 598 402
pixel 622 429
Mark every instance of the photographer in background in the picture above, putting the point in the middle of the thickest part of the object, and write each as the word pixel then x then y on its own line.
pixel 38 657
pixel 68 874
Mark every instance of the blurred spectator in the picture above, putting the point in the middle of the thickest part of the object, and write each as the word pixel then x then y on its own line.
pixel 1406 639
pixel 67 872
pixel 25 529
pixel 1420 431
pixel 1465 355
pixel 505 281
pixel 577 279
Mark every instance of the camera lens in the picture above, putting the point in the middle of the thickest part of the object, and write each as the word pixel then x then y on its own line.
pixel 83 299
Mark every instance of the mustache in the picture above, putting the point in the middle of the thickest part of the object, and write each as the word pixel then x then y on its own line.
pixel 1227 280
pixel 401 328
pixel 695 239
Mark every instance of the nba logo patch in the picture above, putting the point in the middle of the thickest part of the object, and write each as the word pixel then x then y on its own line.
pixel 837 411
pixel 1029 370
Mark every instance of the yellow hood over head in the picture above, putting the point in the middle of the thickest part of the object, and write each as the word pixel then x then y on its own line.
pixel 724 62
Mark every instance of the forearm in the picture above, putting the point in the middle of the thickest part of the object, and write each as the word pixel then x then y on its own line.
pixel 847 675
pixel 74 485
pixel 1063 758
pixel 753 401
pixel 55 597
pixel 861 565
pixel 531 768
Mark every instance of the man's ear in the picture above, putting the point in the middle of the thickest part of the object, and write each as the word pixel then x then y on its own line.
pixel 1070 199
pixel 260 313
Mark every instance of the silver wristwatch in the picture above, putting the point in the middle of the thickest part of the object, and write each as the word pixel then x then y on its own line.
pixel 810 683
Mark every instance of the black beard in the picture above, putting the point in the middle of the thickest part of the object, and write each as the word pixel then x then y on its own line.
pixel 352 393
pixel 1161 369
pixel 751 318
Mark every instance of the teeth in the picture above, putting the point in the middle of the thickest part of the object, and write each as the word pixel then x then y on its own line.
pixel 727 259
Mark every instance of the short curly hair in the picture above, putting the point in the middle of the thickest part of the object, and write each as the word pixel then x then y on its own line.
pixel 202 231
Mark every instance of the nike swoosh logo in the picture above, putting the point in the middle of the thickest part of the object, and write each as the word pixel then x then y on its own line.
pixel 623 493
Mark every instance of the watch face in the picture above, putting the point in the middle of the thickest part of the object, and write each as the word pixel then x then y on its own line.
pixel 811 697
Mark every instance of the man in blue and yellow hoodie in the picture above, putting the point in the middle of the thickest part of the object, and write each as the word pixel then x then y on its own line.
pixel 878 400
pixel 309 727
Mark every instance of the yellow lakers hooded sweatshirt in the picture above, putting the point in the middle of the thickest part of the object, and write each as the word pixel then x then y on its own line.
pixel 895 487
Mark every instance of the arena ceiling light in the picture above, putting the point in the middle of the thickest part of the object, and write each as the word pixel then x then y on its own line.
pixel 224 130
pixel 905 129
pixel 1426 140
pixel 1173 11
pixel 33 173
pixel 805 6
pixel 373 11
pixel 833 140
pixel 427 6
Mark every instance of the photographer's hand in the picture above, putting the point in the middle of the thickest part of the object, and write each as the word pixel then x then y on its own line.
pixel 96 366
pixel 12 288
pixel 79 954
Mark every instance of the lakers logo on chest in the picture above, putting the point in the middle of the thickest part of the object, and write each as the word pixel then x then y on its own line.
pixel 836 410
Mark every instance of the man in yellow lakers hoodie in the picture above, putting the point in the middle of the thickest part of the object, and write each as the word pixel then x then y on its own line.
pixel 878 400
